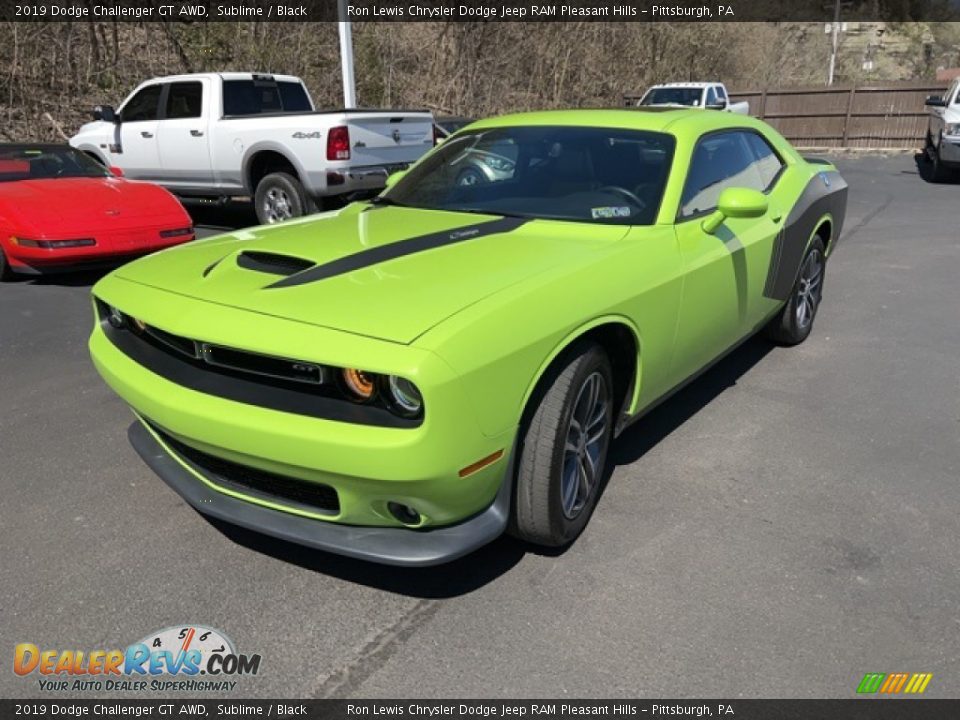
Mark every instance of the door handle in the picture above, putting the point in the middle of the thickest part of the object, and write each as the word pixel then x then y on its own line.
pixel 146 134
pixel 196 133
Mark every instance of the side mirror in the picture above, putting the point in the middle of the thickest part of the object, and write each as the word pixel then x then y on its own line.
pixel 115 171
pixel 736 203
pixel 935 101
pixel 393 178
pixel 106 113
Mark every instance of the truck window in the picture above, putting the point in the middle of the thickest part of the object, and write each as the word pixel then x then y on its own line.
pixel 711 97
pixel 184 100
pixel 246 97
pixel 721 93
pixel 143 105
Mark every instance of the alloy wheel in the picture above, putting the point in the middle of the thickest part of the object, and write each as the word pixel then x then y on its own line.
pixel 586 434
pixel 808 289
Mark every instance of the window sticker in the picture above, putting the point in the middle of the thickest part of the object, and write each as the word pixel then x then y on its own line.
pixel 610 211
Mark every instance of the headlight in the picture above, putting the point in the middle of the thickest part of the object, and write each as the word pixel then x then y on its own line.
pixel 115 317
pixel 951 129
pixel 362 385
pixel 404 395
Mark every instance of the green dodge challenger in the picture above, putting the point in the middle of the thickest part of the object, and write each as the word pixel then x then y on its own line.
pixel 404 379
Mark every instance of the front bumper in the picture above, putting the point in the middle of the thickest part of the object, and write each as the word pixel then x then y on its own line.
pixel 389 545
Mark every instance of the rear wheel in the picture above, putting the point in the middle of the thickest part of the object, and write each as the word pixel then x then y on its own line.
pixel 795 321
pixel 280 196
pixel 564 450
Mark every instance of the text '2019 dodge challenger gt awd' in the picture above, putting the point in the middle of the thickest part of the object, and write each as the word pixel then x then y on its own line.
pixel 403 379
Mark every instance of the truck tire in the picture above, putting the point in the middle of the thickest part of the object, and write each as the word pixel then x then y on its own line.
pixel 939 173
pixel 280 196
pixel 563 451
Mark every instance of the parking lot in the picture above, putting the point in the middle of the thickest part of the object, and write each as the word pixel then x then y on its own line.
pixel 784 525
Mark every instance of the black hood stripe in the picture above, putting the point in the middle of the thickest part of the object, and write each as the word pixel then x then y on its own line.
pixel 410 246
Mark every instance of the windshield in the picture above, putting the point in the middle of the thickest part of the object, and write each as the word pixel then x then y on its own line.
pixel 673 96
pixel 599 175
pixel 23 162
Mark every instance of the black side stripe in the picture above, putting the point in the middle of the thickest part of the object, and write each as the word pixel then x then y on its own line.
pixel 825 194
pixel 377 255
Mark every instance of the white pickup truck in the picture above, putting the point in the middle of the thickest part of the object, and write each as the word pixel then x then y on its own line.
pixel 943 134
pixel 708 95
pixel 246 134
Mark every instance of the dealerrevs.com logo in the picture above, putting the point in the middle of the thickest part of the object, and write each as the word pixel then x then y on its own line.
pixel 186 658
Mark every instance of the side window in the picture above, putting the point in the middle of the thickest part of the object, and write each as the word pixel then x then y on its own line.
pixel 184 100
pixel 711 96
pixel 143 105
pixel 721 94
pixel 769 164
pixel 720 161
pixel 956 99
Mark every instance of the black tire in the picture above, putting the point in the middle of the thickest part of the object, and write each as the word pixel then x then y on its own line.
pixel 795 321
pixel 939 173
pixel 5 272
pixel 541 513
pixel 278 197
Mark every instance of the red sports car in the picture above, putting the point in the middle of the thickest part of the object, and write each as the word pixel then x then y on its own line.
pixel 60 210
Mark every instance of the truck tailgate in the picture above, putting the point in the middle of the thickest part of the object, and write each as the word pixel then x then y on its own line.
pixel 385 137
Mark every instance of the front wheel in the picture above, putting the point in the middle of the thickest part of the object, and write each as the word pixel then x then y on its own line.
pixel 939 173
pixel 563 452
pixel 5 272
pixel 278 197
pixel 794 323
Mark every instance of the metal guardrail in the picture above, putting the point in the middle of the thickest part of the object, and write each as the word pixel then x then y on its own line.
pixel 871 116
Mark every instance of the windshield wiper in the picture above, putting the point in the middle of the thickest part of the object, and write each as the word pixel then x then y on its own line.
pixel 383 201
pixel 497 213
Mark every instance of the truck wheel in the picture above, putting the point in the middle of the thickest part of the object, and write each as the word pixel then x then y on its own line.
pixel 793 324
pixel 939 173
pixel 563 452
pixel 279 197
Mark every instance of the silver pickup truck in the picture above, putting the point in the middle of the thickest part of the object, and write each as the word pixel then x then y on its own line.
pixel 943 134
pixel 249 134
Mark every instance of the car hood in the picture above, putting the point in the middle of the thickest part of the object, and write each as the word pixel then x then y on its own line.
pixel 383 272
pixel 55 206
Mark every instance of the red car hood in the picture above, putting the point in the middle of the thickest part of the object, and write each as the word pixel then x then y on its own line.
pixel 85 205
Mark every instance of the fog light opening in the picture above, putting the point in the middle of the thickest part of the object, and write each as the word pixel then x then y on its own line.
pixel 404 513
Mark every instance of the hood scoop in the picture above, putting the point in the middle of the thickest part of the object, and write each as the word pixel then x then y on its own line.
pixel 272 263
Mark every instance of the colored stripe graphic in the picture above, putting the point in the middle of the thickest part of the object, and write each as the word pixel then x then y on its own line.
pixel 918 683
pixel 894 683
pixel 871 682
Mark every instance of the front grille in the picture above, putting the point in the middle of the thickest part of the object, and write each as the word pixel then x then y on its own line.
pixel 311 495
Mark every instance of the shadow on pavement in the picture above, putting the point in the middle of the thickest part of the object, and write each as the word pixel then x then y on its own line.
pixel 499 557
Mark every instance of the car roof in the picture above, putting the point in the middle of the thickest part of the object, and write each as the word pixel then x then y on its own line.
pixel 223 75
pixel 699 85
pixel 670 119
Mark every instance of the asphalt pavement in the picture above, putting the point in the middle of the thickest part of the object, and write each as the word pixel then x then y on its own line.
pixel 784 525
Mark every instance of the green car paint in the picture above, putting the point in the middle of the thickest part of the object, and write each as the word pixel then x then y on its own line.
pixel 470 307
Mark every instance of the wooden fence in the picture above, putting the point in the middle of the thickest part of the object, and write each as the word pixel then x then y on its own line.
pixel 889 116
